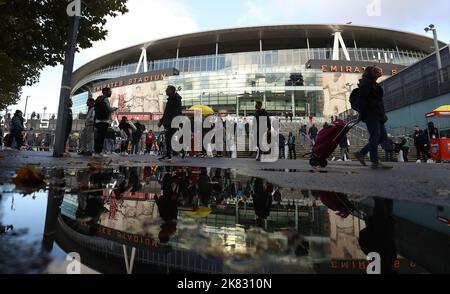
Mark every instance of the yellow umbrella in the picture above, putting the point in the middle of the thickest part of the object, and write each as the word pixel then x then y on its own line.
pixel 200 212
pixel 443 108
pixel 205 110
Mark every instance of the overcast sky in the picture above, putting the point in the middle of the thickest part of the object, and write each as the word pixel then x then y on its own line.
pixel 154 19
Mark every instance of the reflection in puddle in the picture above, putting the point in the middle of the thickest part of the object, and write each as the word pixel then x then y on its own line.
pixel 209 220
pixel 319 171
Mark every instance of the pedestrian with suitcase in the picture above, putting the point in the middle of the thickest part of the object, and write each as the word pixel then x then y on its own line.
pixel 367 99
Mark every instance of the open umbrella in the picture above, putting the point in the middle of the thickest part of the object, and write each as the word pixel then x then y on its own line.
pixel 205 110
pixel 444 108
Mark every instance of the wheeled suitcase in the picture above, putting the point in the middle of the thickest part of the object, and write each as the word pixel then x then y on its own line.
pixel 328 140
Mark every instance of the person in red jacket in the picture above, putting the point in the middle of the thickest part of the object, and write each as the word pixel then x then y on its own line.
pixel 149 142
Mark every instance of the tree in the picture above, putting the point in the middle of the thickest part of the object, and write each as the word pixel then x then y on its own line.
pixel 34 35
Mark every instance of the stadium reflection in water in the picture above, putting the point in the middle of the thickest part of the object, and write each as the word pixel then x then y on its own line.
pixel 208 220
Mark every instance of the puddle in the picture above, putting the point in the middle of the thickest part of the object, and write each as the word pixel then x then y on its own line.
pixel 209 220
pixel 319 171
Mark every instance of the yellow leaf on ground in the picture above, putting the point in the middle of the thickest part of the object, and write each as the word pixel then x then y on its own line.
pixel 29 176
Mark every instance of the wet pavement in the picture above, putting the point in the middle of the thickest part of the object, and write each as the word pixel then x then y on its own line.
pixel 189 219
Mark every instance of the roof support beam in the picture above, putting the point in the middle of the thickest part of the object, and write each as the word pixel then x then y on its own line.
pixel 142 60
pixel 339 40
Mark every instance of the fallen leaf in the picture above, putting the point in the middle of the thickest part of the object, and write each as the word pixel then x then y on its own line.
pixel 29 177
pixel 95 166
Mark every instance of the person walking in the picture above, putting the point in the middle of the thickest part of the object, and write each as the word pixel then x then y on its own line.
pixel 136 136
pixel 259 114
pixel 388 147
pixel 172 110
pixel 125 135
pixel 149 139
pixel 103 112
pixel 1 138
pixel 282 143
pixel 291 145
pixel 419 142
pixel 87 135
pixel 313 131
pixel 110 141
pixel 16 131
pixel 404 147
pixel 372 112
pixel 69 123
pixel 303 134
pixel 344 145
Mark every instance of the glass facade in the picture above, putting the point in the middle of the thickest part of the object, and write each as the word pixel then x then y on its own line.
pixel 234 81
pixel 79 103
pixel 237 92
pixel 282 58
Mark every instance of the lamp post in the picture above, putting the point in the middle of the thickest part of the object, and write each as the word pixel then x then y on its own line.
pixel 63 111
pixel 45 109
pixel 432 28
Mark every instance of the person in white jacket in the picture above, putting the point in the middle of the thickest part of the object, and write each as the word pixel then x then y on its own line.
pixel 87 135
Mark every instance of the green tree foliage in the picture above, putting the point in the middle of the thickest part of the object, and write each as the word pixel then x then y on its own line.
pixel 33 34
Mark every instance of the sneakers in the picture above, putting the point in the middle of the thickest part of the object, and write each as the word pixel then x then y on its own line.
pixel 419 161
pixel 360 157
pixel 379 165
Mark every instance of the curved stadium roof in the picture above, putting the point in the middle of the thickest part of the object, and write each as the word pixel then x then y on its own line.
pixel 247 39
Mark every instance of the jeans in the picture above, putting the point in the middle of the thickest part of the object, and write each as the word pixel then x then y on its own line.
pixel 136 147
pixel 17 137
pixel 101 129
pixel 87 139
pixel 389 155
pixel 148 148
pixel 378 134
pixel 303 138
pixel 282 152
pixel 292 151
pixel 169 135
pixel 124 146
pixel 109 146
pixel 422 152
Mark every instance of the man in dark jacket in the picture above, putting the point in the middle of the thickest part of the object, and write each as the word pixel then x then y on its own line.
pixel 430 133
pixel 69 121
pixel 16 130
pixel 172 110
pixel 313 131
pixel 419 142
pixel 259 114
pixel 373 114
pixel 388 147
pixel 282 144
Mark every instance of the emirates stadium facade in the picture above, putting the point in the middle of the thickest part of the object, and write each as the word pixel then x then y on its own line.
pixel 306 70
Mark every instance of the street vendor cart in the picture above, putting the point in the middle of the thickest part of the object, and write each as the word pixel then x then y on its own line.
pixel 440 145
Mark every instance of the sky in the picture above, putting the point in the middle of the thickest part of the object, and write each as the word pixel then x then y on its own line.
pixel 154 19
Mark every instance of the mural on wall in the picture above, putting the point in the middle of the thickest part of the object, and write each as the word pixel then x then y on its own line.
pixel 140 98
pixel 337 88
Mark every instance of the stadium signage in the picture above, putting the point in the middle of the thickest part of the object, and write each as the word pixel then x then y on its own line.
pixel 152 76
pixel 352 66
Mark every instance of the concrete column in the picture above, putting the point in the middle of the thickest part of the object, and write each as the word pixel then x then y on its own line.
pixel 307 44
pixel 293 104
pixel 217 56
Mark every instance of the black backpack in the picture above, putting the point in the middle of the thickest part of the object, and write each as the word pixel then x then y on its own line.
pixel 355 100
pixel 101 111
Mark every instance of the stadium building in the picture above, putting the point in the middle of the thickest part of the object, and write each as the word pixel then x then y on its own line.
pixel 306 70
